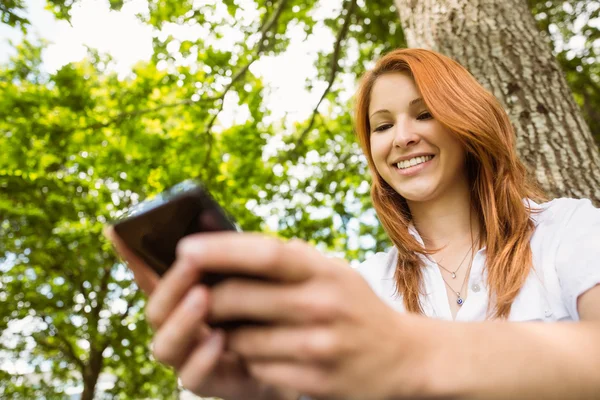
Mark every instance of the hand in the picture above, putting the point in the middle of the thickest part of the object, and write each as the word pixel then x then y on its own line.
pixel 209 370
pixel 327 335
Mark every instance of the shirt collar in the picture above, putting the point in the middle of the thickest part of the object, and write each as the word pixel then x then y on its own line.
pixel 537 208
pixel 413 231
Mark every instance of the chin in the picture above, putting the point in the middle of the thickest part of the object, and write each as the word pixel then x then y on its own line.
pixel 416 194
pixel 418 198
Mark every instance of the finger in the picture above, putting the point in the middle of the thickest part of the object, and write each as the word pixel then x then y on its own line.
pixel 287 344
pixel 197 369
pixel 204 252
pixel 293 261
pixel 175 339
pixel 245 299
pixel 174 286
pixel 249 254
pixel 145 276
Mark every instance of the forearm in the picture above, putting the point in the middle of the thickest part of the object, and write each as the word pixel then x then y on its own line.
pixel 500 360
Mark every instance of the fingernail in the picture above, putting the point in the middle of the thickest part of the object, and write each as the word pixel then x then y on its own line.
pixel 189 244
pixel 214 343
pixel 194 299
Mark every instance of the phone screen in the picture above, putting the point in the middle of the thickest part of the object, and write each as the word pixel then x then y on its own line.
pixel 153 227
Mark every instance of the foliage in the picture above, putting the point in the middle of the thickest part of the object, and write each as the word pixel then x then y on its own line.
pixel 60 178
pixel 81 144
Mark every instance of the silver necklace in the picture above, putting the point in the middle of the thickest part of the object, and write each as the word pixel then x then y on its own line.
pixel 453 273
pixel 459 300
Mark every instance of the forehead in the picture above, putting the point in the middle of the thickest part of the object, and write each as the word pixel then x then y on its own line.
pixel 393 90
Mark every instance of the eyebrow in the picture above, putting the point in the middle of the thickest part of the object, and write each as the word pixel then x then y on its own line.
pixel 412 103
pixel 418 100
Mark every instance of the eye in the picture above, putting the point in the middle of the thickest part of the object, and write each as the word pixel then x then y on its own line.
pixel 383 127
pixel 424 116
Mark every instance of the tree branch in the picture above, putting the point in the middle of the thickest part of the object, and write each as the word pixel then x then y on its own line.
pixel 264 30
pixel 70 349
pixel 101 296
pixel 103 289
pixel 350 5
pixel 69 271
pixel 67 348
pixel 107 339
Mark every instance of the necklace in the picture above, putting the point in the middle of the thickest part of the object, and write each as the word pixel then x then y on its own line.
pixel 459 300
pixel 453 273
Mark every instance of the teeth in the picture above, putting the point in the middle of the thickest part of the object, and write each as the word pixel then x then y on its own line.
pixel 413 161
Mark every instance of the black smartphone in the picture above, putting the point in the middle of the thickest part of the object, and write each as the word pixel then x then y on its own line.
pixel 153 227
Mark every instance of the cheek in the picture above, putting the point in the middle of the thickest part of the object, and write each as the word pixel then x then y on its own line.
pixel 456 158
pixel 378 151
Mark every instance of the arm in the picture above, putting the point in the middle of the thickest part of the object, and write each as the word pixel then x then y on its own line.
pixel 498 360
pixel 501 360
pixel 328 335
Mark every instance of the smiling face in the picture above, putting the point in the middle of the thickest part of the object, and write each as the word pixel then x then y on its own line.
pixel 417 156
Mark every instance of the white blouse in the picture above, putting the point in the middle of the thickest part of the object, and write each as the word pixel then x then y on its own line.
pixel 566 263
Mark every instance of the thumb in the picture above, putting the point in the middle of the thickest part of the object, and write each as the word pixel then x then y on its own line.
pixel 145 276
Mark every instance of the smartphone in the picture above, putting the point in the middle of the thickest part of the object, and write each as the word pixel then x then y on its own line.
pixel 153 227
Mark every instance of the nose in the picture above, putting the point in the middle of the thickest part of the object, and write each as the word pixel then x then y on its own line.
pixel 405 135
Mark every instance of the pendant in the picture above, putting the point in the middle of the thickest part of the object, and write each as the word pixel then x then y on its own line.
pixel 459 301
pixel 453 275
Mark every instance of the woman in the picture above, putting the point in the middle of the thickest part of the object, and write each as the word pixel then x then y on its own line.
pixel 470 244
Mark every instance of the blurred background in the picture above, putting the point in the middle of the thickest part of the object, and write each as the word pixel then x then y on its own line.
pixel 104 103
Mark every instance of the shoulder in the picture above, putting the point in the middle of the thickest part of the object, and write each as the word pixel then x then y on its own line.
pixel 379 270
pixel 379 265
pixel 566 228
pixel 566 244
pixel 564 213
pixel 576 223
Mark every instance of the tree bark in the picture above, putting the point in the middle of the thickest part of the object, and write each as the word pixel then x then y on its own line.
pixel 498 42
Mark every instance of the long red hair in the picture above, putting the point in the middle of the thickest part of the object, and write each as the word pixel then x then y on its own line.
pixel 498 179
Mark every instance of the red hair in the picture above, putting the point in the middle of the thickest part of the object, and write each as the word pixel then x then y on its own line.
pixel 498 179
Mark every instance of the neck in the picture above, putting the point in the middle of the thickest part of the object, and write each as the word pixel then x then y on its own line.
pixel 447 219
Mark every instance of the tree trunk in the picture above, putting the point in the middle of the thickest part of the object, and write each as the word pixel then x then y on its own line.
pixel 92 373
pixel 89 388
pixel 498 42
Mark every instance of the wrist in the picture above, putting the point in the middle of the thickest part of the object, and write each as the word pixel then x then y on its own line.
pixel 429 354
pixel 447 373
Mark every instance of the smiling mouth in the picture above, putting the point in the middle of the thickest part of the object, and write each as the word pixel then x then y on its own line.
pixel 406 164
